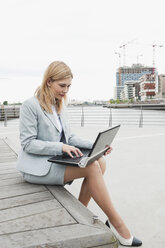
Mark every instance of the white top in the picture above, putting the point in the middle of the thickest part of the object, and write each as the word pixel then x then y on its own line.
pixel 57 117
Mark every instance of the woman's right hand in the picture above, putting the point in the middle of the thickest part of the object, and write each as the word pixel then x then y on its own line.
pixel 71 149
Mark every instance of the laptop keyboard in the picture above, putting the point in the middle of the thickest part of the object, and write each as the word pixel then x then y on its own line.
pixel 75 159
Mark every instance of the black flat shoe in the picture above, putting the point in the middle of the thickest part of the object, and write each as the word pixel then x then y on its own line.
pixel 132 241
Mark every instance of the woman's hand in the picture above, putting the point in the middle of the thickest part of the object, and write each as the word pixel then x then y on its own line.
pixel 108 151
pixel 71 149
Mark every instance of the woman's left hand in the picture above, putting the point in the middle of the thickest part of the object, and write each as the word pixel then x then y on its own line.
pixel 108 151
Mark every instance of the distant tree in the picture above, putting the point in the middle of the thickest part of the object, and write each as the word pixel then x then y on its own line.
pixel 5 103
pixel 131 100
pixel 111 101
pixel 125 101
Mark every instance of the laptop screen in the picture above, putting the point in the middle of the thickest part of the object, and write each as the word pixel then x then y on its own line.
pixel 104 138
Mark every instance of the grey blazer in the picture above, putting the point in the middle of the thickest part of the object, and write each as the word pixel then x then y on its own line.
pixel 40 138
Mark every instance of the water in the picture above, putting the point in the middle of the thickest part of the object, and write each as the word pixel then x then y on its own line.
pixel 99 116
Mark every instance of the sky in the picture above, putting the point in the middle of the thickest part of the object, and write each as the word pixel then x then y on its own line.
pixel 85 34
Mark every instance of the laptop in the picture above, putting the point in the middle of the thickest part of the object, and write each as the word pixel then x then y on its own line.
pixel 99 147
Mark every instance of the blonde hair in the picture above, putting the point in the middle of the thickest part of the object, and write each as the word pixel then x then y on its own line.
pixel 57 70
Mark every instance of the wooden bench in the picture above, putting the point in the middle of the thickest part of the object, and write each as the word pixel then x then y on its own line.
pixel 43 216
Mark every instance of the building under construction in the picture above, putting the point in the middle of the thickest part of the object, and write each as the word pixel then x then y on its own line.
pixel 133 73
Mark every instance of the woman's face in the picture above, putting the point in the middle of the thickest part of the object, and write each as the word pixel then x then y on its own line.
pixel 60 88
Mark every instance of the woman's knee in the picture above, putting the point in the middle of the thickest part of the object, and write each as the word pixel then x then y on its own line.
pixel 94 168
pixel 102 164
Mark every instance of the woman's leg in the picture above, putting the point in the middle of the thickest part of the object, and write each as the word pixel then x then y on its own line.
pixel 85 195
pixel 97 188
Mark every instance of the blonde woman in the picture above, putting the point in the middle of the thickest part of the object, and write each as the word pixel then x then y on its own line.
pixel 44 131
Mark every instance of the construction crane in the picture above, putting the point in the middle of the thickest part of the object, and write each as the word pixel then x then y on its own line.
pixel 119 54
pixel 153 62
pixel 139 55
pixel 123 46
pixel 154 45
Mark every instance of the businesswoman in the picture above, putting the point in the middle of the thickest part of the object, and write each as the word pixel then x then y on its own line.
pixel 44 131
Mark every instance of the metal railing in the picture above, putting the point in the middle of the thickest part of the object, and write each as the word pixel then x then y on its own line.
pixel 95 116
pixel 88 116
pixel 8 114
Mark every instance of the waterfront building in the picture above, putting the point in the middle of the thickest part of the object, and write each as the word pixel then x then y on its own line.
pixel 147 86
pixel 126 73
pixel 130 91
pixel 117 91
pixel 161 86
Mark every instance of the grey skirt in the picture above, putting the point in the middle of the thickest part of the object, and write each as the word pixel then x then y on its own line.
pixel 55 176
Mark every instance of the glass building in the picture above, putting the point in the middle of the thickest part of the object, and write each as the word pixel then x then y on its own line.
pixel 130 73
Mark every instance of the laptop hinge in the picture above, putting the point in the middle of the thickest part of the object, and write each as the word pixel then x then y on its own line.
pixel 83 162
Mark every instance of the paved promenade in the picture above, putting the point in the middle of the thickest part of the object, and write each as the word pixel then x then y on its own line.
pixel 134 177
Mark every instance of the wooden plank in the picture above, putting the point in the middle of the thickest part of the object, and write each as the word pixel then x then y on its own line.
pixel 6 152
pixel 11 181
pixel 74 207
pixel 6 167
pixel 13 175
pixel 7 171
pixel 114 245
pixel 47 219
pixel 11 145
pixel 28 210
pixel 20 189
pixel 3 144
pixel 7 155
pixel 25 199
pixel 5 147
pixel 8 164
pixel 74 236
pixel 9 159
